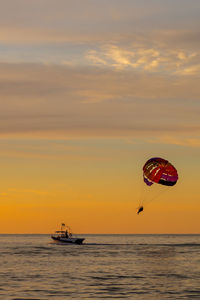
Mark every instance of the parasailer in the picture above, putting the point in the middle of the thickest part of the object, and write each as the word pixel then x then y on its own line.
pixel 140 209
pixel 160 171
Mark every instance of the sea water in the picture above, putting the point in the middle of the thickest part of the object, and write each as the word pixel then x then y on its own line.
pixel 105 266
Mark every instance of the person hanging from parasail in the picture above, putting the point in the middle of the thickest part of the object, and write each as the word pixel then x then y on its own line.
pixel 140 209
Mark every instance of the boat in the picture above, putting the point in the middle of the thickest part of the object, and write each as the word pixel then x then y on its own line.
pixel 65 236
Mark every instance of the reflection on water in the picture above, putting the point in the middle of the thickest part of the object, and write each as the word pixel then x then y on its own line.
pixel 106 266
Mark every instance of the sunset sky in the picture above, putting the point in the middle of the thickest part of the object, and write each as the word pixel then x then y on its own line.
pixel 89 90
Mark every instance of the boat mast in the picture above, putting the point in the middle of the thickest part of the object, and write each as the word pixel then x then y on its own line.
pixel 62 226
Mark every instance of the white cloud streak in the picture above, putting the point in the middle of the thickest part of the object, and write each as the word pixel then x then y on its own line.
pixel 158 59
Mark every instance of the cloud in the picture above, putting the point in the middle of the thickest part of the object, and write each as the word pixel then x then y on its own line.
pixel 74 41
pixel 54 149
pixel 3 194
pixel 140 57
pixel 190 70
pixel 180 141
pixel 62 101
pixel 26 36
pixel 27 191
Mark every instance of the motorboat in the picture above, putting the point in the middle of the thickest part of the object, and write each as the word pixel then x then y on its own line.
pixel 65 236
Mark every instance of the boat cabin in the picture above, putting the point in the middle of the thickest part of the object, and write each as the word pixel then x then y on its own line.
pixel 63 234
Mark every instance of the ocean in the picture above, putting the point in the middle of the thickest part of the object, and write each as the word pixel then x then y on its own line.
pixel 105 266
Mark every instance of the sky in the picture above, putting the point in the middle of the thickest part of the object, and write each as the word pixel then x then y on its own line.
pixel 90 90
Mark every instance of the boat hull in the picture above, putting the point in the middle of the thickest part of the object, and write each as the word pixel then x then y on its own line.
pixel 78 241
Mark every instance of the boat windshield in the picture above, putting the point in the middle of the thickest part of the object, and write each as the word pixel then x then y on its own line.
pixel 64 233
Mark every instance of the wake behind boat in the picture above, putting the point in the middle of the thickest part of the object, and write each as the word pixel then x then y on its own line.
pixel 65 236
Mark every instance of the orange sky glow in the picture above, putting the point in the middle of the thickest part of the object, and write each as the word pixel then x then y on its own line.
pixel 88 93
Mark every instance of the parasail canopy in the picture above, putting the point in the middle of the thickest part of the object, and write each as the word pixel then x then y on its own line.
pixel 161 171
